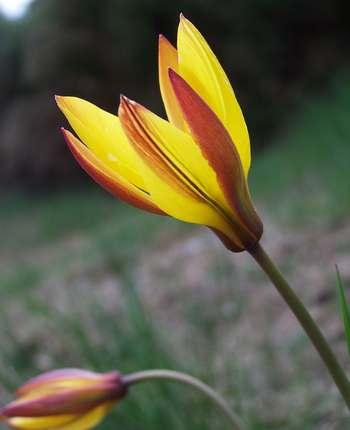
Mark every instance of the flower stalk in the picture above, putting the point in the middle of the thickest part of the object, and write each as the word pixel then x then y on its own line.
pixel 193 167
pixel 183 378
pixel 305 319
pixel 68 399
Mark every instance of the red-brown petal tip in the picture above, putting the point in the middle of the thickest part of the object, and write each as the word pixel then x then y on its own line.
pixel 163 39
pixel 66 136
pixel 127 106
pixel 126 100
pixel 172 74
pixel 122 99
pixel 123 106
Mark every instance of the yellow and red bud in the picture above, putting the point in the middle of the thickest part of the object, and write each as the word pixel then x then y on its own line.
pixel 67 399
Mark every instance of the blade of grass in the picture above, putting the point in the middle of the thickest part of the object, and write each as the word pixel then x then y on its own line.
pixel 344 308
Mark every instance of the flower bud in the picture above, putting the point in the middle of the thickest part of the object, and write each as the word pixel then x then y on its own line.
pixel 66 399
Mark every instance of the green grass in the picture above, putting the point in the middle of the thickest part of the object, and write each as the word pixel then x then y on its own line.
pixel 63 256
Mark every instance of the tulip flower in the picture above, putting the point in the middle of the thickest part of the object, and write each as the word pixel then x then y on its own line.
pixel 74 399
pixel 67 399
pixel 193 167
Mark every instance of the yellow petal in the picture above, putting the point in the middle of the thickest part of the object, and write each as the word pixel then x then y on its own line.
pixel 181 181
pixel 109 179
pixel 167 58
pixel 39 388
pixel 199 66
pixel 40 423
pixel 63 422
pixel 184 207
pixel 179 152
pixel 101 132
pixel 89 420
pixel 61 378
pixel 217 148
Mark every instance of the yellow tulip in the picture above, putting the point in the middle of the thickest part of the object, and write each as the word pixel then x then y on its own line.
pixel 193 167
pixel 67 399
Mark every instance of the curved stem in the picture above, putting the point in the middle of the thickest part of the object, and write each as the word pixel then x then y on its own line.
pixel 170 375
pixel 306 321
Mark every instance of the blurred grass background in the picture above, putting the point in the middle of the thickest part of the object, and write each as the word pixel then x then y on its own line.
pixel 89 282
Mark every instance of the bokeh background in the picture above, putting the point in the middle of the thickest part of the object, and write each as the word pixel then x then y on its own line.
pixel 86 281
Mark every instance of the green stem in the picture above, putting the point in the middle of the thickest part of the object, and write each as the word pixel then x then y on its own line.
pixel 147 375
pixel 306 321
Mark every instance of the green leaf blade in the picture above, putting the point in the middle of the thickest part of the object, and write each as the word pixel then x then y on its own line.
pixel 344 308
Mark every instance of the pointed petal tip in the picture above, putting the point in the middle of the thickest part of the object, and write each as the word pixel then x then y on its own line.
pixel 126 103
pixel 58 99
pixel 62 102
pixel 176 80
pixel 163 40
pixel 65 132
pixel 172 74
pixel 123 105
pixel 68 137
pixel 183 19
pixel 124 99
